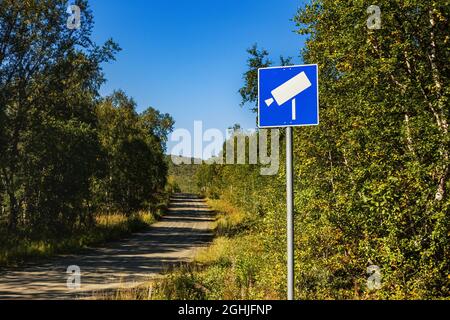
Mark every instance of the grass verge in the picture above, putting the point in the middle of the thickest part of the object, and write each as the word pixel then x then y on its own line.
pixel 235 266
pixel 107 227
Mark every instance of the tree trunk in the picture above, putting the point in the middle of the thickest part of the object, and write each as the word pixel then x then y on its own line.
pixel 14 212
pixel 443 176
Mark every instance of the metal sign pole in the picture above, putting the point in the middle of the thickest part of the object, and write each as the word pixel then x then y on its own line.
pixel 283 86
pixel 290 213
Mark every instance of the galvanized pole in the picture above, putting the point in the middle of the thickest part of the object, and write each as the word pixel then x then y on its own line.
pixel 290 213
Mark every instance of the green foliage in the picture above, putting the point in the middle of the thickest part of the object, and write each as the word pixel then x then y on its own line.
pixel 49 81
pixel 379 160
pixel 66 154
pixel 184 175
pixel 258 59
pixel 134 163
pixel 371 182
pixel 106 228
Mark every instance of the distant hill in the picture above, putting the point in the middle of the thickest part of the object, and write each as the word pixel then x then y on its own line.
pixel 184 175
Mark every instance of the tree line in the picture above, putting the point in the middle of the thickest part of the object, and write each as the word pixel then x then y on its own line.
pixel 66 153
pixel 372 180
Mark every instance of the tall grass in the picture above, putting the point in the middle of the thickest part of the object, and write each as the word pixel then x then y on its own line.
pixel 229 220
pixel 235 266
pixel 107 227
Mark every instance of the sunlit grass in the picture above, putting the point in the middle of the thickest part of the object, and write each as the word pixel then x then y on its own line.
pixel 107 227
pixel 220 249
pixel 235 266
pixel 228 218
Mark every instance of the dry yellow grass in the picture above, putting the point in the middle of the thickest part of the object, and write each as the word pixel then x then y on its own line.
pixel 234 266
pixel 107 227
pixel 228 217
pixel 111 220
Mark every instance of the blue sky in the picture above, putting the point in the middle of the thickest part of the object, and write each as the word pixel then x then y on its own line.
pixel 187 58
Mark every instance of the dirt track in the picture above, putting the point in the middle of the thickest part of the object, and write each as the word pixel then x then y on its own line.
pixel 126 263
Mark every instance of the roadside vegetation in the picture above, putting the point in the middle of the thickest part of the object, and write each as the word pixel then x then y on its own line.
pixel 182 176
pixel 234 267
pixel 76 168
pixel 107 227
pixel 371 181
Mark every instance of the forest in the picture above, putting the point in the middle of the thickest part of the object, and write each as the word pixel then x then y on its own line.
pixel 75 167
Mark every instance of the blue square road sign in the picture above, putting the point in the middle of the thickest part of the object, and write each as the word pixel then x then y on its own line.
pixel 288 96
